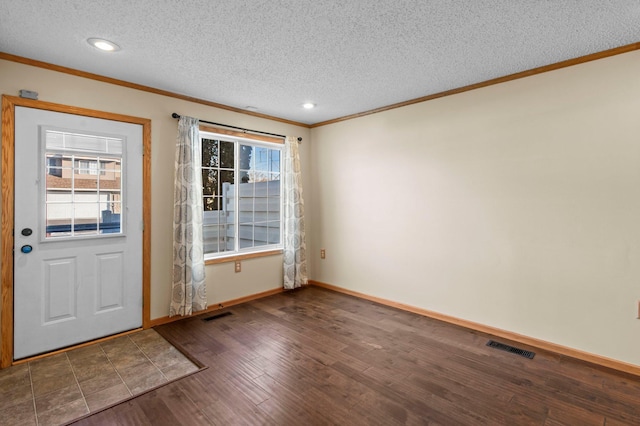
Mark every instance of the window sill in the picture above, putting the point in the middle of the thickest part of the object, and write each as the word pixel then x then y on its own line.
pixel 242 257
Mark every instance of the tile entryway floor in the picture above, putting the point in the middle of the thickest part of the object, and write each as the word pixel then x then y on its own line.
pixel 63 387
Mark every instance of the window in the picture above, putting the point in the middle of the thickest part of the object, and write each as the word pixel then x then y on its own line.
pixel 54 165
pixel 83 185
pixel 241 190
pixel 89 167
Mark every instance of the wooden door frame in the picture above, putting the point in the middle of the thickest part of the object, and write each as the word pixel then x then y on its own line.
pixel 7 209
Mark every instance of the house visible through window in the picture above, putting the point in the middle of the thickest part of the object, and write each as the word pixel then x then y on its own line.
pixel 82 185
pixel 89 167
pixel 241 190
pixel 54 165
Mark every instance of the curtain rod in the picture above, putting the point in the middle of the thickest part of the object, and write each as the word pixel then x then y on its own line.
pixel 176 115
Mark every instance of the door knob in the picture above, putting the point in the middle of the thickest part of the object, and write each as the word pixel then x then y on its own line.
pixel 26 249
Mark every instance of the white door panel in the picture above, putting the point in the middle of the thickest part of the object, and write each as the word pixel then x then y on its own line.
pixel 78 188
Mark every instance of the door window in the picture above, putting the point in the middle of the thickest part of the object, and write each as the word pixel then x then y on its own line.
pixel 82 185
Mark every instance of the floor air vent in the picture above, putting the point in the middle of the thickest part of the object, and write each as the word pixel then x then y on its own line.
pixel 216 316
pixel 507 348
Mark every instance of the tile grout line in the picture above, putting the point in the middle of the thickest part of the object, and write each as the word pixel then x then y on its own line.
pixel 75 377
pixel 150 360
pixel 115 369
pixel 33 395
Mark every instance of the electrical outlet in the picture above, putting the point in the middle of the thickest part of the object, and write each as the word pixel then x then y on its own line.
pixel 238 266
pixel 322 254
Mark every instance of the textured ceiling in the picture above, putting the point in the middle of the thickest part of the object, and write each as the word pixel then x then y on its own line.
pixel 346 56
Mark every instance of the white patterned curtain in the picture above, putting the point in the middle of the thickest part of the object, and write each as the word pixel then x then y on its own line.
pixel 295 257
pixel 188 291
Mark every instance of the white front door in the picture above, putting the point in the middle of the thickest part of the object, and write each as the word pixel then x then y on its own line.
pixel 78 229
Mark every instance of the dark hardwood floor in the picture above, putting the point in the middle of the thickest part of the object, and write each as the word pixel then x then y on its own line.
pixel 315 357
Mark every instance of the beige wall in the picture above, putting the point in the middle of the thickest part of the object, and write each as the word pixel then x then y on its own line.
pixel 223 283
pixel 515 206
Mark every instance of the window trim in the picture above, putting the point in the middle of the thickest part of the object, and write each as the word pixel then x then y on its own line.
pixel 208 132
pixel 237 257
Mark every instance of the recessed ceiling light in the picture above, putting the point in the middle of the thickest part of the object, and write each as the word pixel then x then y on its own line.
pixel 251 108
pixel 102 44
pixel 308 105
